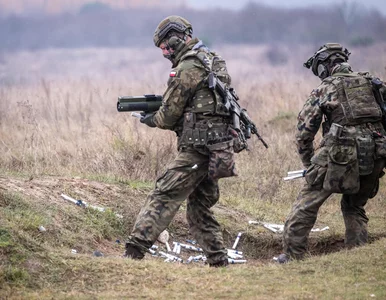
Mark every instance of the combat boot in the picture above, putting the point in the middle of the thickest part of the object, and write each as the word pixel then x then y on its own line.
pixel 219 264
pixel 283 258
pixel 133 252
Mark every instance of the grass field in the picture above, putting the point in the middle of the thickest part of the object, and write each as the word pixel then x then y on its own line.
pixel 60 133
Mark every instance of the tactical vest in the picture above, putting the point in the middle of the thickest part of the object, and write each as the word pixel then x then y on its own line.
pixel 206 119
pixel 357 101
pixel 355 151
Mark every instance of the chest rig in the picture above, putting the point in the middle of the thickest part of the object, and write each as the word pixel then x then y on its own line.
pixel 206 118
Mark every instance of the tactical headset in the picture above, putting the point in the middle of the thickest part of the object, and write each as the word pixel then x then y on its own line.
pixel 175 43
pixel 323 59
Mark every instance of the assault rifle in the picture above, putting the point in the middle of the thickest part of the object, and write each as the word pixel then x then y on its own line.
pixel 241 121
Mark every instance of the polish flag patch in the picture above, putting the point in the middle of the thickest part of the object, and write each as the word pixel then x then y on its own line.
pixel 173 74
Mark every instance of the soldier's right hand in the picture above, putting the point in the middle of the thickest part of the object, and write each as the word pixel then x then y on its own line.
pixel 147 118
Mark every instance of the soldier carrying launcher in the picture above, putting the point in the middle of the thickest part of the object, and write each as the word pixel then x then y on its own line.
pixel 210 125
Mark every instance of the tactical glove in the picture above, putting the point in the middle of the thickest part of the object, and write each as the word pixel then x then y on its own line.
pixel 147 118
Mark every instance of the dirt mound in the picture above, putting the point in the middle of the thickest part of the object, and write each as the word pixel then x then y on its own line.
pixel 69 227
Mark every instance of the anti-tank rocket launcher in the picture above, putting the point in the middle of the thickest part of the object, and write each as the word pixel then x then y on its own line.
pixel 145 103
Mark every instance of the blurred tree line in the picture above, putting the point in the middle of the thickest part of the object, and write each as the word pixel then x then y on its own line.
pixel 99 25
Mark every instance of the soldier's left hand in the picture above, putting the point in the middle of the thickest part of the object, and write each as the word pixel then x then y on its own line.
pixel 147 118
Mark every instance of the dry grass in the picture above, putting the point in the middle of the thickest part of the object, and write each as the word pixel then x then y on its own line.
pixel 338 276
pixel 58 114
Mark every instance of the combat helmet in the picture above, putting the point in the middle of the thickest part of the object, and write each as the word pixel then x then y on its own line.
pixel 170 26
pixel 325 57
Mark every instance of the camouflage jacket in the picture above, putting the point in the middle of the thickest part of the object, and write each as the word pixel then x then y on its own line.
pixel 322 101
pixel 185 78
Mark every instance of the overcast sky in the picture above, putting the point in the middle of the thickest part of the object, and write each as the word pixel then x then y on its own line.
pixel 237 4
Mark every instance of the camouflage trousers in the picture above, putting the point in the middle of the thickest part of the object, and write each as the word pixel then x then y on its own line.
pixel 185 178
pixel 304 212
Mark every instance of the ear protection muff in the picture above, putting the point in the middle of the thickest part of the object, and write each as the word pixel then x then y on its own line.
pixel 323 58
pixel 322 71
pixel 177 44
pixel 174 42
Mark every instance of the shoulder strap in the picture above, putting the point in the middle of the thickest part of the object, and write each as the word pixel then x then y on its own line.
pixel 191 53
pixel 205 61
pixel 353 74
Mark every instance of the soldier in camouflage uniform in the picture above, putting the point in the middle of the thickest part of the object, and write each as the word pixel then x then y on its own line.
pixel 351 156
pixel 205 145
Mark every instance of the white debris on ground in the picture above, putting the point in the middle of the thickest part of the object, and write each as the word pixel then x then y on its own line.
pixel 84 204
pixel 234 256
pixel 279 228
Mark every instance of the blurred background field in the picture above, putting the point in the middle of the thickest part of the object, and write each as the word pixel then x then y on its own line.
pixel 62 68
pixel 58 111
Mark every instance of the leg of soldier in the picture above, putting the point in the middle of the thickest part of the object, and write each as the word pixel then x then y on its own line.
pixel 180 179
pixel 352 206
pixel 203 226
pixel 303 215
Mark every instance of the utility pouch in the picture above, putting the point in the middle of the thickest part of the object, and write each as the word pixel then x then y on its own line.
pixel 189 120
pixel 380 147
pixel 325 128
pixel 342 169
pixel 239 143
pixel 320 157
pixel 195 137
pixel 221 160
pixel 315 176
pixel 366 151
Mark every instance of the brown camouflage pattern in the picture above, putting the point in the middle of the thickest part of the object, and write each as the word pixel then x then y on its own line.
pixel 194 173
pixel 325 101
pixel 221 160
pixel 185 178
pixel 186 91
pixel 342 174
pixel 333 166
pixel 304 212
